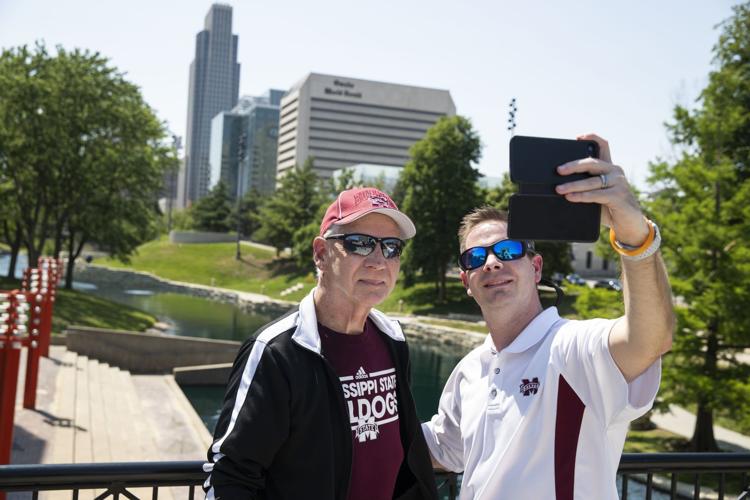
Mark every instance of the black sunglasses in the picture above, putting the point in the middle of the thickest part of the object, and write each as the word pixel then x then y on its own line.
pixel 364 244
pixel 504 250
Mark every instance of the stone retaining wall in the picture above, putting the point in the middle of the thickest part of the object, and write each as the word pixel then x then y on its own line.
pixel 446 339
pixel 200 237
pixel 148 353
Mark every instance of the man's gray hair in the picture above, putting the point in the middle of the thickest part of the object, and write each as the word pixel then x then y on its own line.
pixel 333 229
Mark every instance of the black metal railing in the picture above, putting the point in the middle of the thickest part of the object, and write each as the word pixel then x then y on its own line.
pixel 116 479
pixel 685 469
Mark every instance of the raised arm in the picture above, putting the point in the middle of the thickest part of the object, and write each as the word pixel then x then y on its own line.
pixel 645 332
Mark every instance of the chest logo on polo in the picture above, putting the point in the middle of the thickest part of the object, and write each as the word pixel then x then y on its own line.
pixel 529 387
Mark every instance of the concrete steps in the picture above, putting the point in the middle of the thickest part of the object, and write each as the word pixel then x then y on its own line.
pixel 96 413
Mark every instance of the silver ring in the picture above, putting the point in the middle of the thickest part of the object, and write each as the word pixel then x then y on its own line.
pixel 603 178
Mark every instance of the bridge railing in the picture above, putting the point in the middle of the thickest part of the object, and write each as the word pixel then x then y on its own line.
pixel 725 473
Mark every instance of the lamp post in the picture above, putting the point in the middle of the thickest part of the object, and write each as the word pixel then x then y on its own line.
pixel 177 145
pixel 241 150
pixel 512 110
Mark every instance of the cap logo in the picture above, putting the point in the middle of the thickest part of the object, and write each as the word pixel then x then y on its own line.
pixel 377 198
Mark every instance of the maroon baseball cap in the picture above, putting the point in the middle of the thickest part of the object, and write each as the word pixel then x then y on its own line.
pixel 355 203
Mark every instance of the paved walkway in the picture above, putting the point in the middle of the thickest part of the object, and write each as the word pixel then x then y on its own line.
pixel 90 412
pixel 682 422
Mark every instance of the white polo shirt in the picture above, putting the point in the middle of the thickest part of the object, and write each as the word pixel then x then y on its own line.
pixel 546 417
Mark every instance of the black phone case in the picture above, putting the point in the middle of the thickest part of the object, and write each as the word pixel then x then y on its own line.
pixel 537 212
pixel 552 218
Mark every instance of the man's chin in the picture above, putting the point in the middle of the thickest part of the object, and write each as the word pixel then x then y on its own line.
pixel 372 296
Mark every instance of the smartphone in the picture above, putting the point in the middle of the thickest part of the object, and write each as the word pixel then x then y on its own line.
pixel 537 212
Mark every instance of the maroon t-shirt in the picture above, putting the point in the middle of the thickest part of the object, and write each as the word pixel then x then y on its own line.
pixel 368 379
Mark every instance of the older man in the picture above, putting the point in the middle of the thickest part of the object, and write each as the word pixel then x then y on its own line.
pixel 318 404
pixel 541 410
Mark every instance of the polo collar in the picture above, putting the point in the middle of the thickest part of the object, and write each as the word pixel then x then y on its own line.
pixel 531 335
pixel 306 333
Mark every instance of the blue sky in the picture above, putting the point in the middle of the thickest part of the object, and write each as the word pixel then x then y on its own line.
pixel 615 68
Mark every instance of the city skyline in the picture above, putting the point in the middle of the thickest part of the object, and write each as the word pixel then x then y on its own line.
pixel 615 69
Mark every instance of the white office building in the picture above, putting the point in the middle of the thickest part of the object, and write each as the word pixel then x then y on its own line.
pixel 343 122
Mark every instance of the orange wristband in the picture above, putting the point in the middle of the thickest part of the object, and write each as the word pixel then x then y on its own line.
pixel 617 246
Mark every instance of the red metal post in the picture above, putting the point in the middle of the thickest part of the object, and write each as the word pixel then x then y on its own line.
pixel 11 328
pixel 51 270
pixel 36 307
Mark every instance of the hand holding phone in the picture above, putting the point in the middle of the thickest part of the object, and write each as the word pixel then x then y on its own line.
pixel 537 212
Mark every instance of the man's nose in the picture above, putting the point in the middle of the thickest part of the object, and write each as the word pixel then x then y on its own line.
pixel 492 262
pixel 376 257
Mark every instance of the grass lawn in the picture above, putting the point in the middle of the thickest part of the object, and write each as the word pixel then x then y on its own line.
pixel 76 308
pixel 654 441
pixel 214 264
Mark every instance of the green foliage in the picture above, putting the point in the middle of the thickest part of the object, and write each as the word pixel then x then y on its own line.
pixel 213 212
pixel 598 303
pixel 82 155
pixel 294 205
pixel 302 240
pixel 249 213
pixel 499 196
pixel 702 203
pixel 440 186
pixel 182 220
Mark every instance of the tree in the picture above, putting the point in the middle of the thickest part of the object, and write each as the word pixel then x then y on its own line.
pixel 249 213
pixel 82 153
pixel 440 186
pixel 702 202
pixel 213 212
pixel 294 205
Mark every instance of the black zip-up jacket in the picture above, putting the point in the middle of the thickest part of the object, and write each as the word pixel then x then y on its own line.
pixel 284 429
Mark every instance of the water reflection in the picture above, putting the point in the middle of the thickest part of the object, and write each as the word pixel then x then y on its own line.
pixel 189 316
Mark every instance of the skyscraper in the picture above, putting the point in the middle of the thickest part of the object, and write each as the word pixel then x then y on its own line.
pixel 214 87
pixel 243 144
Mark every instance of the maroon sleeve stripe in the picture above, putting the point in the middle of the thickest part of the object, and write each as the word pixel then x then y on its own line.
pixel 567 429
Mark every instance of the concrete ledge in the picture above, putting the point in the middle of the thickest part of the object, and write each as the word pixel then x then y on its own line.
pixel 148 353
pixel 197 425
pixel 200 237
pixel 58 339
pixel 203 375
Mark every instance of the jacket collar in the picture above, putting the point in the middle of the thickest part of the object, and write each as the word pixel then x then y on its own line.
pixel 531 335
pixel 306 333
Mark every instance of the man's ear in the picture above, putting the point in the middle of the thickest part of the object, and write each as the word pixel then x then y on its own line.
pixel 538 264
pixel 319 251
pixel 465 281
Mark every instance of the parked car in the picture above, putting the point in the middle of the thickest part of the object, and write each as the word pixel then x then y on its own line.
pixel 610 284
pixel 575 279
pixel 557 278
